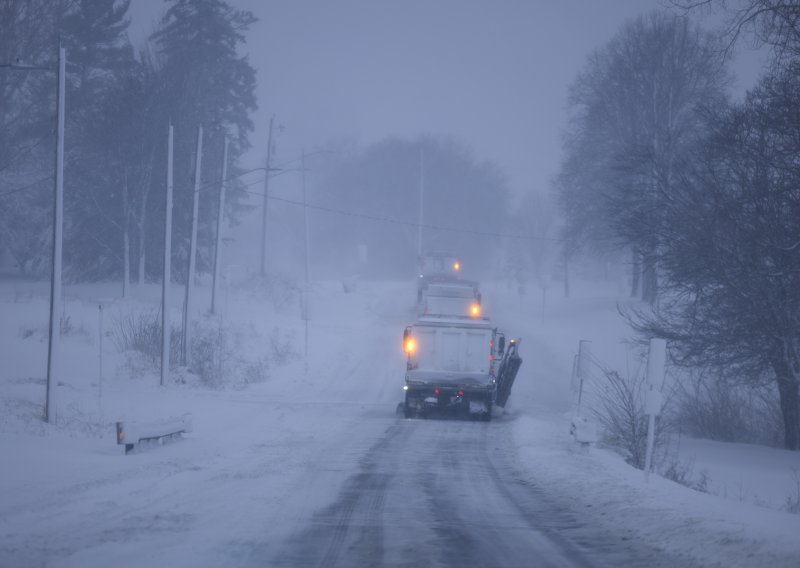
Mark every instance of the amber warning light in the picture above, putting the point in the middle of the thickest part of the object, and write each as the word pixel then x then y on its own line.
pixel 410 345
pixel 456 266
pixel 475 310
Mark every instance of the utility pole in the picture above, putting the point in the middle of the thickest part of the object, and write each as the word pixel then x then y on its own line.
pixel 421 199
pixel 187 304
pixel 266 198
pixel 126 239
pixel 220 216
pixel 306 307
pixel 165 322
pixel 58 227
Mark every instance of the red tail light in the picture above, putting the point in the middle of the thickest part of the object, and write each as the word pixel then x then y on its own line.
pixel 460 393
pixel 436 392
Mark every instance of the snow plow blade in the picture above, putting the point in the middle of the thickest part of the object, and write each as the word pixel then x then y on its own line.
pixel 507 374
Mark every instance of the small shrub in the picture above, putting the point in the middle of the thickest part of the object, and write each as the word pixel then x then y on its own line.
pixel 140 331
pixel 719 409
pixel 702 483
pixel 211 352
pixel 255 372
pixel 617 403
pixel 70 329
pixel 217 357
pixel 681 472
pixel 28 331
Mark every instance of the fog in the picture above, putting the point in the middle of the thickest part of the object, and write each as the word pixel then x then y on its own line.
pixel 443 283
pixel 353 73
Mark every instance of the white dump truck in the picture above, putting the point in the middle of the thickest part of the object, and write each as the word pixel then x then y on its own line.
pixel 453 366
pixel 436 267
pixel 455 299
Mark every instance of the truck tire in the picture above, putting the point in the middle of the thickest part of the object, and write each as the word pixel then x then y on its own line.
pixel 408 412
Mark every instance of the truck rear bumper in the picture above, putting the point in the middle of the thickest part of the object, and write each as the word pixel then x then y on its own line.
pixel 468 400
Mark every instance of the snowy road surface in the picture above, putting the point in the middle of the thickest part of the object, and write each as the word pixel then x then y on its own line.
pixel 442 493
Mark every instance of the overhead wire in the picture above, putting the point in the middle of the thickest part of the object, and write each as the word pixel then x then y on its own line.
pixel 391 220
pixel 333 210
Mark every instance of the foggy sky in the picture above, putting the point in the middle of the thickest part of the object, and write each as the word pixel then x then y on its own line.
pixel 493 74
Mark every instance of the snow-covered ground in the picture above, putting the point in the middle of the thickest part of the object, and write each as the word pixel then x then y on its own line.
pixel 264 457
pixel 741 521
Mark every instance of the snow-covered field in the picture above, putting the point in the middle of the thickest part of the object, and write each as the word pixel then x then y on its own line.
pixel 266 455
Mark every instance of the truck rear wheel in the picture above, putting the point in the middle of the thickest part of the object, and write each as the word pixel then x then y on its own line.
pixel 408 412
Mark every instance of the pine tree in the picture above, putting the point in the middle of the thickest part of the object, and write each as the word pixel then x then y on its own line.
pixel 206 82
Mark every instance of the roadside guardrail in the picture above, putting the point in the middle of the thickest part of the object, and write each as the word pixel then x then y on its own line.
pixel 133 434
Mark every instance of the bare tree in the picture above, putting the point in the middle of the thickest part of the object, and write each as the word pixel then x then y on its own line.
pixel 775 23
pixel 733 260
pixel 635 116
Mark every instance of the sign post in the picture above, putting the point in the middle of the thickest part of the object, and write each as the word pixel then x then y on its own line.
pixel 656 358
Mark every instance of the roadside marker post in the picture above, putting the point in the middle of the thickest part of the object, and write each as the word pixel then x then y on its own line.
pixel 581 428
pixel 101 305
pixel 656 359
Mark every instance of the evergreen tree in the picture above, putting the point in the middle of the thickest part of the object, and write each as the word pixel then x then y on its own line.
pixel 206 82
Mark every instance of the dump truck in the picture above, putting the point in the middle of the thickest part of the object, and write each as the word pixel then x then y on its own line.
pixel 436 267
pixel 456 365
pixel 454 298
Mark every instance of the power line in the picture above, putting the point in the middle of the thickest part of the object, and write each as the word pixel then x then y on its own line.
pixel 383 219
pixel 336 211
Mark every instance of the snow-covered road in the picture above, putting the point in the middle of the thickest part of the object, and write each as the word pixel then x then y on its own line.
pixel 443 493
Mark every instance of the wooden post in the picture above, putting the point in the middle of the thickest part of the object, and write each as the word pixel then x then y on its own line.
pixel 165 284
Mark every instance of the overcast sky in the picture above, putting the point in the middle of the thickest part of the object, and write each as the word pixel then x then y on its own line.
pixel 493 74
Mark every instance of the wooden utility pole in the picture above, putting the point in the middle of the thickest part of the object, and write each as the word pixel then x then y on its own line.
pixel 165 285
pixel 187 304
pixel 220 217
pixel 307 294
pixel 263 271
pixel 58 228
pixel 126 238
pixel 421 199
